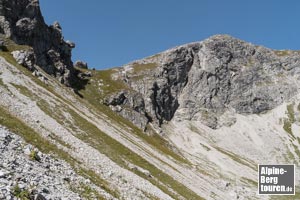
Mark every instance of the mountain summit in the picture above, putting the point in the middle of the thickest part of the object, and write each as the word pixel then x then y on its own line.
pixel 201 81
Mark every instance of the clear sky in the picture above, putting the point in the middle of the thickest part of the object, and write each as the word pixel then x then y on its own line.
pixel 111 33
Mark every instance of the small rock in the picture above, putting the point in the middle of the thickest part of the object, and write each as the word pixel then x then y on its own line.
pixel 81 64
pixel 88 74
pixel 56 25
pixel 4 174
pixel 39 197
pixel 70 44
pixel 21 186
pixel 45 190
pixel 1 174
pixel 7 140
pixel 27 150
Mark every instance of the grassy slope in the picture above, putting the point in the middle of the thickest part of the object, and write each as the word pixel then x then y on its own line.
pixel 114 150
pixel 30 136
pixel 94 96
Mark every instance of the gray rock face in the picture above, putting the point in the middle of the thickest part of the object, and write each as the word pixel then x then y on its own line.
pixel 25 58
pixel 203 80
pixel 171 79
pixel 22 21
pixel 133 107
pixel 232 74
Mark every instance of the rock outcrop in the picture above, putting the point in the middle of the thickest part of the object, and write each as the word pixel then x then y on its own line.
pixel 25 58
pixel 202 80
pixel 22 21
pixel 133 107
pixel 81 64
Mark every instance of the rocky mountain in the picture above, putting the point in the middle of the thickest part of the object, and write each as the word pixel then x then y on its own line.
pixel 22 22
pixel 192 122
pixel 203 80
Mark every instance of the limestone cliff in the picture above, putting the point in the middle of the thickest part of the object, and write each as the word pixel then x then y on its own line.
pixel 203 80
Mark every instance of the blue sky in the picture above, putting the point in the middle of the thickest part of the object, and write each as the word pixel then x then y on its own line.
pixel 114 32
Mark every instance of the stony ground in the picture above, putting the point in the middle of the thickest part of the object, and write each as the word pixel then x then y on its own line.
pixel 26 172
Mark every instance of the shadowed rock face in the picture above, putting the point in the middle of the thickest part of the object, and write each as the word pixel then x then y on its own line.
pixel 203 80
pixel 22 21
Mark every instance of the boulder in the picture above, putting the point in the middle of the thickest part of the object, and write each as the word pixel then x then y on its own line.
pixel 25 58
pixel 39 197
pixel 80 64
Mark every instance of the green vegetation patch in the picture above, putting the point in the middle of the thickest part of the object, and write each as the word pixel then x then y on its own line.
pixel 60 141
pixel 287 122
pixel 22 194
pixel 12 46
pixel 291 113
pixel 249 181
pixel 297 151
pixel 23 90
pixel 109 85
pixel 194 129
pixel 143 67
pixel 237 158
pixel 282 52
pixel 34 156
pixel 86 192
pixel 287 126
pixel 205 147
pixel 99 182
